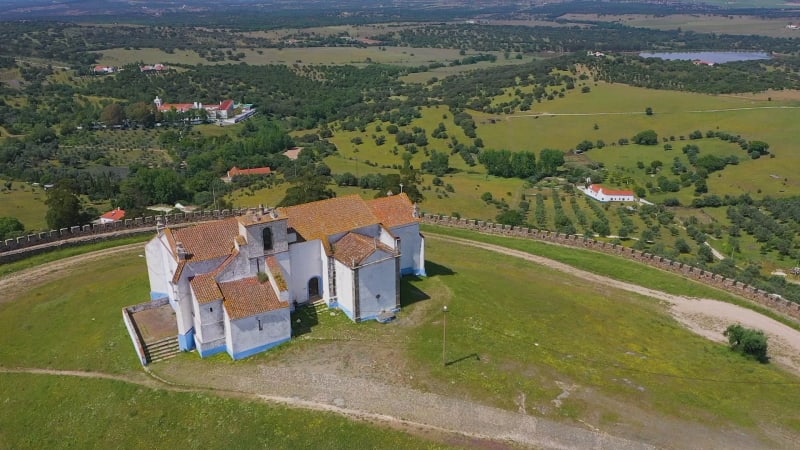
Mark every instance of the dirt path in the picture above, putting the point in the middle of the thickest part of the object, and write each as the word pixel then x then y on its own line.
pixel 706 317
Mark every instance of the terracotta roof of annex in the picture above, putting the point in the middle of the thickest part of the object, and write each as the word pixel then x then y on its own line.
pixel 247 297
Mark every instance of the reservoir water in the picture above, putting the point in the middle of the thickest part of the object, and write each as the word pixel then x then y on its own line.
pixel 714 57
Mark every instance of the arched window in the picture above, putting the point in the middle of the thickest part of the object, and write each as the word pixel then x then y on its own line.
pixel 266 235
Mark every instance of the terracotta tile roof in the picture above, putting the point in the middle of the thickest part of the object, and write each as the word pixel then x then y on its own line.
pixel 354 248
pixel 247 297
pixel 235 171
pixel 227 104
pixel 205 285
pixel 318 220
pixel 393 211
pixel 205 288
pixel 205 241
pixel 114 214
pixel 178 272
pixel 277 273
pixel 597 188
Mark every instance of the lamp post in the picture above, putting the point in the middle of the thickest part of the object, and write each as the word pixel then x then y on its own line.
pixel 444 334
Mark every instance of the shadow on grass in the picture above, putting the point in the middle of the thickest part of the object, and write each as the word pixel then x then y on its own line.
pixel 410 294
pixel 437 270
pixel 463 358
pixel 304 319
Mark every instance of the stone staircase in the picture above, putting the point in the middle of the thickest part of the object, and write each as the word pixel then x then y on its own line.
pixel 162 349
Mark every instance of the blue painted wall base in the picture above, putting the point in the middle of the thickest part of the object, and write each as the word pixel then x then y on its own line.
pixel 211 352
pixel 186 341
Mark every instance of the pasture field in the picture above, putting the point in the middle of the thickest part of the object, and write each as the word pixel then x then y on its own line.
pixel 544 330
pixel 618 112
pixel 404 56
pixel 703 23
pixel 48 412
pixel 26 203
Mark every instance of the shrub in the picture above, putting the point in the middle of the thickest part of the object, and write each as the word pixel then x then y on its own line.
pixel 748 342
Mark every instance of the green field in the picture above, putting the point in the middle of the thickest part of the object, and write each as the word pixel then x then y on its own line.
pixel 705 23
pixel 26 203
pixel 62 412
pixel 405 56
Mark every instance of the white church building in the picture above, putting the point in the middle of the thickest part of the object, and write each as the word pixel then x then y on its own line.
pixel 233 282
pixel 604 194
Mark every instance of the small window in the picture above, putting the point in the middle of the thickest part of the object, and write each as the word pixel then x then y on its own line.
pixel 266 235
pixel 260 325
pixel 210 309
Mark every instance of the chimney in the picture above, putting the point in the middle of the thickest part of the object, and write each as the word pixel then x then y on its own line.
pixel 160 226
pixel 182 254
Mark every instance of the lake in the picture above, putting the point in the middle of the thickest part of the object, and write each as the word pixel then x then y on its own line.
pixel 714 57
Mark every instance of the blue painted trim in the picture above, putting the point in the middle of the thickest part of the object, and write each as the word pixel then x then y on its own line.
pixel 413 271
pixel 364 319
pixel 346 311
pixel 333 304
pixel 259 349
pixel 211 352
pixel 186 341
pixel 157 295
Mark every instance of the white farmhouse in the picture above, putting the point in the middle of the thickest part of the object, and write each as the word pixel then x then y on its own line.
pixel 233 283
pixel 602 194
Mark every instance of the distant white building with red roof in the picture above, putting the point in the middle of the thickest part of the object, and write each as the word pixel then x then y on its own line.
pixel 603 194
pixel 104 69
pixel 233 282
pixel 115 215
pixel 223 110
pixel 236 172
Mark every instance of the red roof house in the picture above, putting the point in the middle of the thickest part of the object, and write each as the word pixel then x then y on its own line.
pixel 115 215
pixel 602 194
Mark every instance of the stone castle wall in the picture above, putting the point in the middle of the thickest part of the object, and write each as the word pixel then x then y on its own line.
pixel 25 246
pixel 771 301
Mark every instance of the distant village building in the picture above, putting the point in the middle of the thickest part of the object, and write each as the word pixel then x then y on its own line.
pixel 603 194
pixel 595 54
pixel 232 283
pixel 700 62
pixel 225 111
pixel 154 68
pixel 104 69
pixel 235 172
pixel 115 215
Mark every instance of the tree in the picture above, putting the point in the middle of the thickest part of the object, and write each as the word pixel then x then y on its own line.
pixel 646 137
pixel 704 253
pixel 112 114
pixel 748 341
pixel 63 207
pixel 438 165
pixel 648 111
pixel 10 227
pixel 307 188
pixel 142 113
pixel 511 217
pixel 549 162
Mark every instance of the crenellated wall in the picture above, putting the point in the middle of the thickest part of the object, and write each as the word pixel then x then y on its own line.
pixel 772 301
pixel 25 246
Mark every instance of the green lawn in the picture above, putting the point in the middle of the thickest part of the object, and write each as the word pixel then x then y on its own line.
pixel 75 321
pixel 538 326
pixel 616 343
pixel 67 412
pixel 26 203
